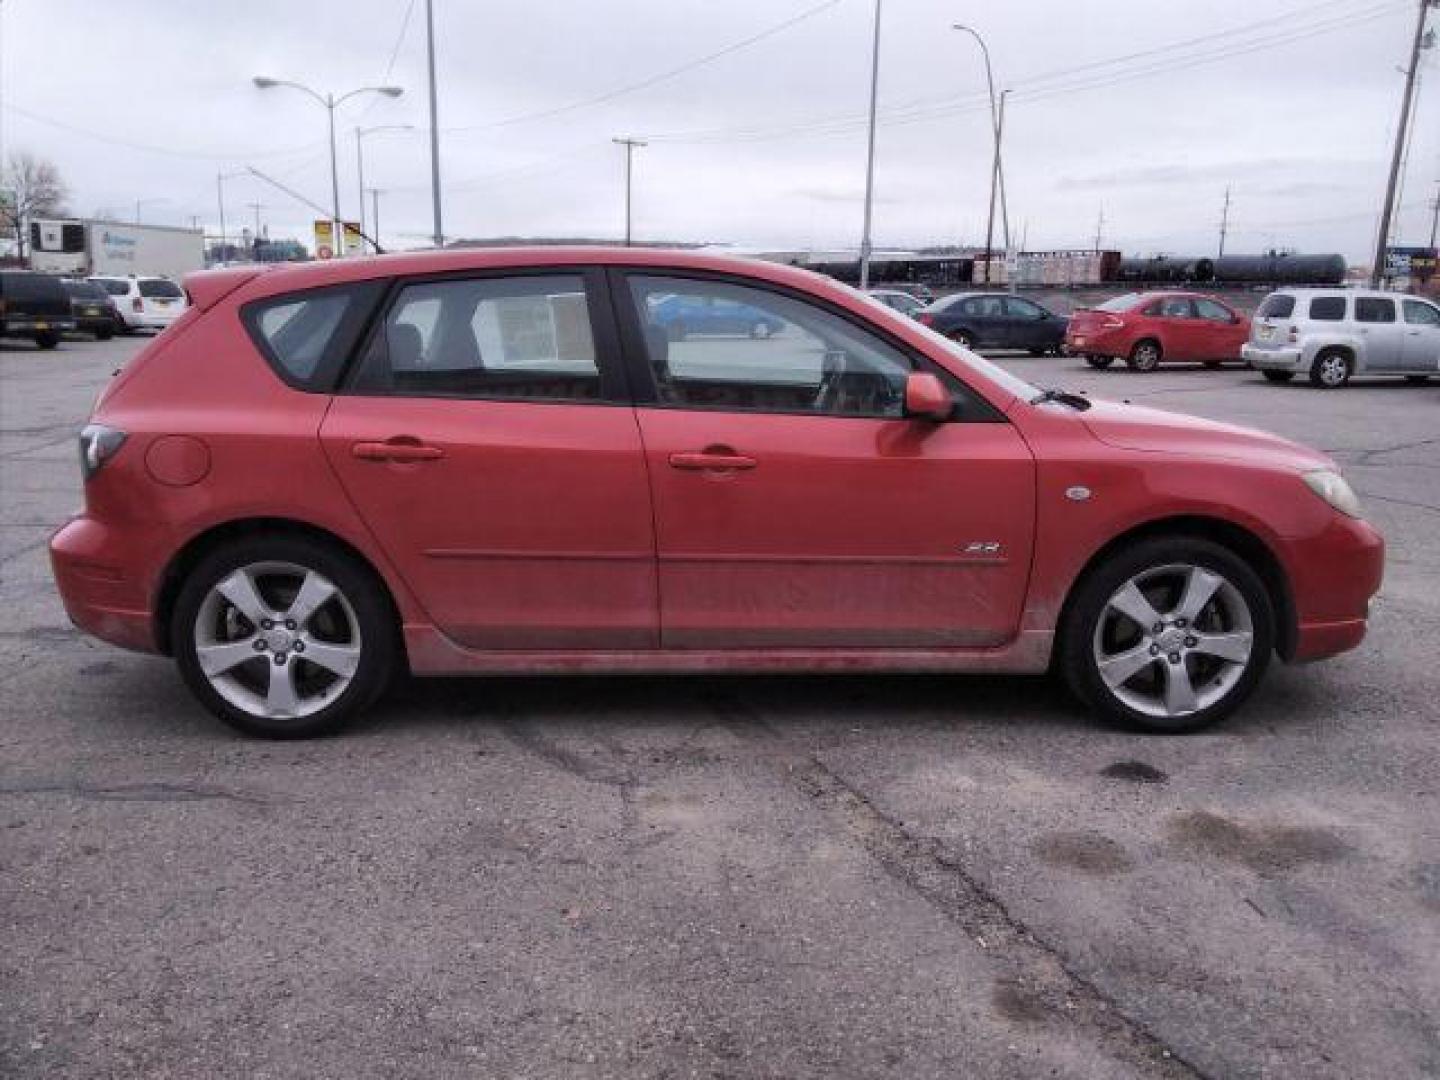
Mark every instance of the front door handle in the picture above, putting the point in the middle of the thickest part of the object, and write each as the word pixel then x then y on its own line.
pixel 714 460
pixel 400 449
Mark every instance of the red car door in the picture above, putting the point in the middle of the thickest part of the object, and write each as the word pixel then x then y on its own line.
pixel 1172 321
pixel 1221 330
pixel 796 507
pixel 490 448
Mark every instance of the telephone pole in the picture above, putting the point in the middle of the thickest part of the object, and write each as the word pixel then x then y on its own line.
pixel 1100 227
pixel 1224 223
pixel 1382 241
pixel 870 152
pixel 630 145
pixel 1434 214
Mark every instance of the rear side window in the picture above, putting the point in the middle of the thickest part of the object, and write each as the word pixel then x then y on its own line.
pixel 1128 302
pixel 1209 309
pixel 27 286
pixel 306 336
pixel 1372 309
pixel 1276 306
pixel 159 288
pixel 1328 308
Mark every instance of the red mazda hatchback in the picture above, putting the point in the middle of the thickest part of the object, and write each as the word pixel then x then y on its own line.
pixel 500 461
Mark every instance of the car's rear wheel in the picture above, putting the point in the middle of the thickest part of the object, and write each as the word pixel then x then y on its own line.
pixel 1145 356
pixel 1169 635
pixel 1278 376
pixel 47 339
pixel 1099 361
pixel 284 638
pixel 1331 369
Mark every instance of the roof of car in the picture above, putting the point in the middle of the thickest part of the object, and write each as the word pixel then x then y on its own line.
pixel 1331 290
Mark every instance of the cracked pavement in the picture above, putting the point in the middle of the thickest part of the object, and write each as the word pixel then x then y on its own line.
pixel 723 876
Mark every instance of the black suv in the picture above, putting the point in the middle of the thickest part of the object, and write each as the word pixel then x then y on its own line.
pixel 34 306
pixel 93 309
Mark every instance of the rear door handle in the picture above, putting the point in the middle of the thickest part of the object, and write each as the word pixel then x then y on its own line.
pixel 711 460
pixel 396 450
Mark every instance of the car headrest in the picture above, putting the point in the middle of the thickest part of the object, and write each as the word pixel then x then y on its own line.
pixel 407 347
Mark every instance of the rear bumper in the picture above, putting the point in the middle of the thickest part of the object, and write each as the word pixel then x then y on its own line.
pixel 93 569
pixel 1334 577
pixel 25 327
pixel 1100 344
pixel 1271 359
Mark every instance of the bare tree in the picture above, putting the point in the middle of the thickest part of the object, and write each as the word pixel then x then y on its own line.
pixel 33 188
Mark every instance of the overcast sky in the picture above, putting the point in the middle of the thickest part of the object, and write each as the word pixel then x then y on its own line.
pixel 764 145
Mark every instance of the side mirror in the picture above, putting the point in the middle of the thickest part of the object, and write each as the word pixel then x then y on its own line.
pixel 926 397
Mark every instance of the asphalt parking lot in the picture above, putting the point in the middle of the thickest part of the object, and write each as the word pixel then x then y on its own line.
pixel 726 877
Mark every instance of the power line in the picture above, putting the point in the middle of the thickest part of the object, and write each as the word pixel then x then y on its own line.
pixel 394 53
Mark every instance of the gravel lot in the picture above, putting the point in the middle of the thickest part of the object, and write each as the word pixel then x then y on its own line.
pixel 725 877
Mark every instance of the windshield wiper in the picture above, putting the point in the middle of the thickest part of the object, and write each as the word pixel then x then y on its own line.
pixel 1076 401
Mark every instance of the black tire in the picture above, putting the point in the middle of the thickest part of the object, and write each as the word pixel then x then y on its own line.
pixel 1076 654
pixel 47 339
pixel 963 338
pixel 1418 380
pixel 1038 352
pixel 1278 376
pixel 1211 365
pixel 1331 369
pixel 104 334
pixel 1099 362
pixel 1145 355
pixel 378 633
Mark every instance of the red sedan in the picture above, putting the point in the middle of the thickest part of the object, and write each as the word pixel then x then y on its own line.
pixel 498 461
pixel 1146 329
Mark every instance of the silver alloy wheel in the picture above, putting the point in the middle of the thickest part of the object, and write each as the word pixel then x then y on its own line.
pixel 277 640
pixel 1173 640
pixel 1333 369
pixel 1147 356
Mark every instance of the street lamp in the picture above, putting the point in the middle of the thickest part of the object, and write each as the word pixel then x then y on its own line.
pixel 360 134
pixel 996 175
pixel 330 101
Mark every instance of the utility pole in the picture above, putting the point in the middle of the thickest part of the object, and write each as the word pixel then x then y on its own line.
pixel 434 123
pixel 1100 227
pixel 870 153
pixel 1434 214
pixel 1382 241
pixel 630 145
pixel 375 217
pixel 1224 223
pixel 257 207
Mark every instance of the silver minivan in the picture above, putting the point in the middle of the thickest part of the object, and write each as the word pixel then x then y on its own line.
pixel 1331 334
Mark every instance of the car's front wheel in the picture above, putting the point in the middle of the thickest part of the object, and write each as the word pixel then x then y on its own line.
pixel 283 638
pixel 47 339
pixel 1331 369
pixel 1169 635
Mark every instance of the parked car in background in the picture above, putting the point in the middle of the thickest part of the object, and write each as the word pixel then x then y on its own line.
pixel 855 493
pixel 680 316
pixel 898 300
pixel 1147 329
pixel 93 310
pixel 144 303
pixel 34 306
pixel 1330 335
pixel 996 321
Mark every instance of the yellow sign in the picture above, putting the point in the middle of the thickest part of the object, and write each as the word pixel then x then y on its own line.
pixel 324 240
pixel 354 242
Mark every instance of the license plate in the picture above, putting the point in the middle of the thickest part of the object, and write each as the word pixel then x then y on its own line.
pixel 164 303
pixel 1079 341
pixel 42 326
pixel 1266 333
pixel 92 311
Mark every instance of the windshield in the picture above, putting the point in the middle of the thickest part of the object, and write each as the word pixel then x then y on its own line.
pixel 1120 303
pixel 159 287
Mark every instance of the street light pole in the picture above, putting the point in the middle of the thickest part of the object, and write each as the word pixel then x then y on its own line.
pixel 434 128
pixel 997 176
pixel 870 151
pixel 1377 269
pixel 330 101
pixel 630 145
pixel 375 216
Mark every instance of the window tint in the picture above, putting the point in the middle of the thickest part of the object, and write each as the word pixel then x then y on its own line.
pixel 1209 309
pixel 1328 308
pixel 1121 303
pixel 518 337
pixel 1421 313
pixel 159 287
pixel 1371 309
pixel 114 286
pixel 306 336
pixel 784 355
pixel 1023 309
pixel 1276 306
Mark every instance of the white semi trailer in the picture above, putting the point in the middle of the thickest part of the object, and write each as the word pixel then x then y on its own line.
pixel 82 248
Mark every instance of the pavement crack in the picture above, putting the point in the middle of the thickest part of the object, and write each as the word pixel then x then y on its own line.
pixel 142 792
pixel 1030 966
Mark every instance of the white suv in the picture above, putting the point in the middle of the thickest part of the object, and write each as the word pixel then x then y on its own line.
pixel 144 303
pixel 1332 334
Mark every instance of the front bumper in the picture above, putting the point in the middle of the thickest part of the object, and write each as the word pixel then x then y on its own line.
pixel 1272 359
pixel 1334 576
pixel 94 569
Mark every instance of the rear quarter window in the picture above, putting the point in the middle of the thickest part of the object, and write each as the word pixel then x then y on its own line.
pixel 1278 306
pixel 1328 308
pixel 306 337
pixel 159 287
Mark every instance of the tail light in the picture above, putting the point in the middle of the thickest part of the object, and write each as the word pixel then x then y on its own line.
pixel 137 304
pixel 2 305
pixel 1294 335
pixel 98 444
pixel 925 318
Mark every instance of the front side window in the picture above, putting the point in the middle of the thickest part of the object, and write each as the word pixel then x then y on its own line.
pixel 1372 310
pixel 525 337
pixel 1419 313
pixel 1209 309
pixel 779 354
pixel 1328 308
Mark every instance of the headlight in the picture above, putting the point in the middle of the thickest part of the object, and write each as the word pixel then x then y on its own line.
pixel 1331 487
